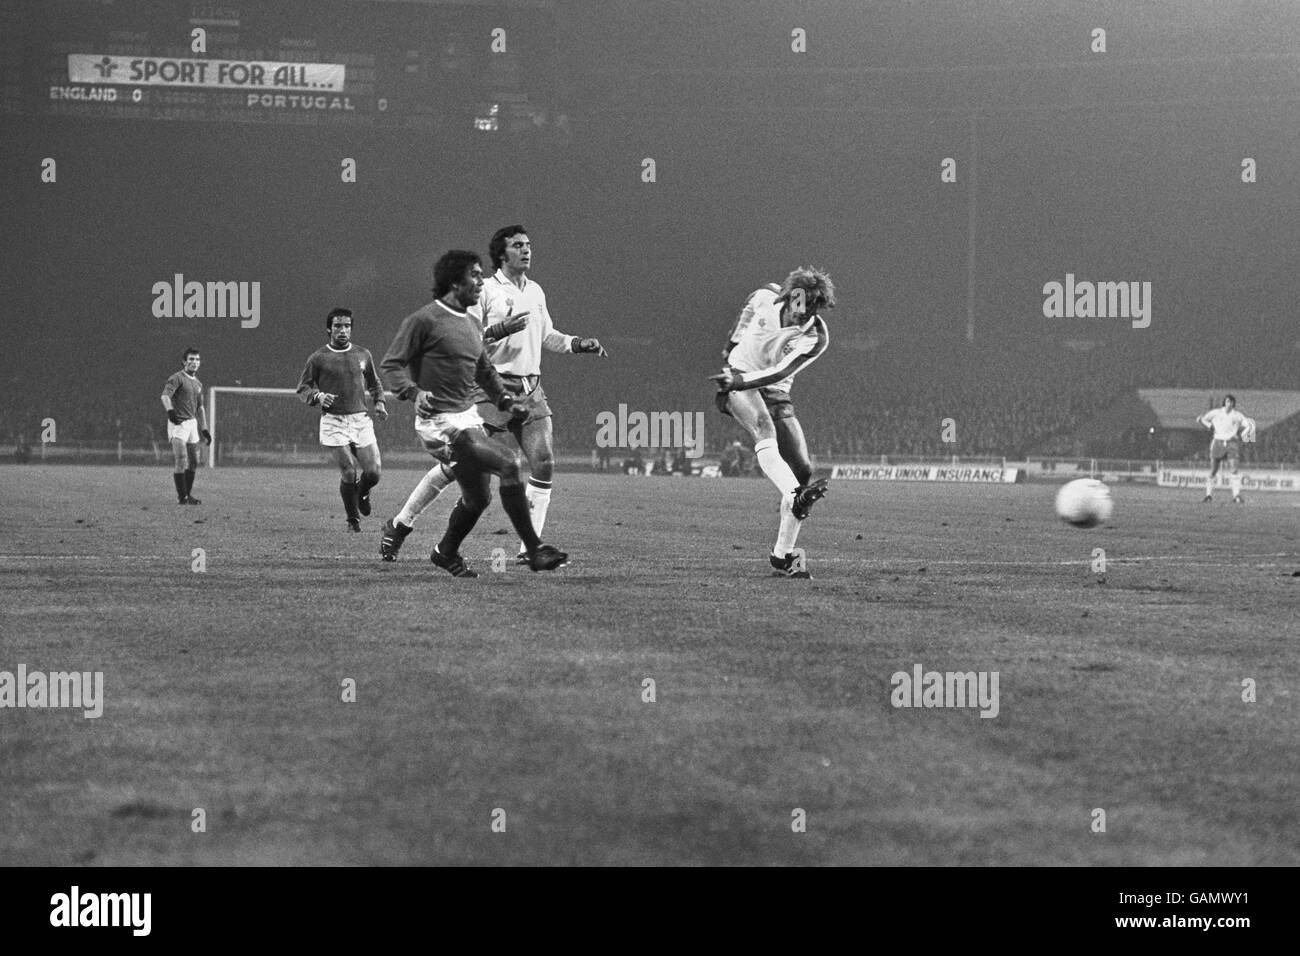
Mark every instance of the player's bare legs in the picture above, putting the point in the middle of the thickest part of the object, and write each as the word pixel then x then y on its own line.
pixel 794 447
pixel 748 408
pixel 536 440
pixel 349 471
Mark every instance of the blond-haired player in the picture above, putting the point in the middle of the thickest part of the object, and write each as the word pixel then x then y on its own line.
pixel 779 333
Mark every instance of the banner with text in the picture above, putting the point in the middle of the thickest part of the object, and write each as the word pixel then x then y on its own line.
pixel 969 473
pixel 1260 481
pixel 218 74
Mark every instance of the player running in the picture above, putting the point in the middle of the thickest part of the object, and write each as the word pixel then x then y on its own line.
pixel 182 396
pixel 1230 429
pixel 514 345
pixel 436 360
pixel 337 378
pixel 780 331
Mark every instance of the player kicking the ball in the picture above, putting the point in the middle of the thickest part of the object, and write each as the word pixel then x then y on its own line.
pixel 780 331
pixel 514 344
pixel 182 396
pixel 437 360
pixel 337 378
pixel 1230 429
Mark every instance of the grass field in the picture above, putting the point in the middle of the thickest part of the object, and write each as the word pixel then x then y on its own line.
pixel 523 691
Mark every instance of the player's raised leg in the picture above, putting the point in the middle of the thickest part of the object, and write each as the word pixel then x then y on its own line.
pixel 794 449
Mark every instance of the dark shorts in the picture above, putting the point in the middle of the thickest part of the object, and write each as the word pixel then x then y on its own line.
pixel 779 404
pixel 497 421
pixel 1220 450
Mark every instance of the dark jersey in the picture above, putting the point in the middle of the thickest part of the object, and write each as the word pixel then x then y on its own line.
pixel 440 350
pixel 186 393
pixel 349 374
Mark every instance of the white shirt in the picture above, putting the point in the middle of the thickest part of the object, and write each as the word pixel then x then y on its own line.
pixel 767 353
pixel 520 353
pixel 1226 424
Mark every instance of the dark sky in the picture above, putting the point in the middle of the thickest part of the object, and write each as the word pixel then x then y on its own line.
pixel 1121 166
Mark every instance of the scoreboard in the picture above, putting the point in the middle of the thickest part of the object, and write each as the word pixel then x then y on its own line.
pixel 324 62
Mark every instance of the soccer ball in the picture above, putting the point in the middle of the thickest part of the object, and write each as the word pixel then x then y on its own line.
pixel 1084 502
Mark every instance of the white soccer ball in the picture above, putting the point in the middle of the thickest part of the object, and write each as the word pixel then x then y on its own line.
pixel 1084 502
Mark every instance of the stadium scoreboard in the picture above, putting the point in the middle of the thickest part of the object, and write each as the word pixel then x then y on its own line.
pixel 335 62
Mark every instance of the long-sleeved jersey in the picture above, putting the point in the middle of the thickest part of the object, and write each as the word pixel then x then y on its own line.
pixel 186 393
pixel 765 353
pixel 521 353
pixel 440 350
pixel 348 373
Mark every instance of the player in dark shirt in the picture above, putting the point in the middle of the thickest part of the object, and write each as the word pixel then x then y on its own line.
pixel 182 396
pixel 337 378
pixel 436 360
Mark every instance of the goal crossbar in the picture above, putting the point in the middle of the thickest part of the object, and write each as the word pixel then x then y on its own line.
pixel 233 390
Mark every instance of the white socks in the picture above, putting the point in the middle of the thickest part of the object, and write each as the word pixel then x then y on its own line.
pixel 789 530
pixel 437 478
pixel 774 466
pixel 539 499
pixel 1234 482
pixel 1209 486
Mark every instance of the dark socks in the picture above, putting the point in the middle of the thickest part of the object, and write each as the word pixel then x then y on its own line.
pixel 348 492
pixel 181 491
pixel 459 525
pixel 189 481
pixel 515 503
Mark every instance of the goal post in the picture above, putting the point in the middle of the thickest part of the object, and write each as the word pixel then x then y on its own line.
pixel 216 390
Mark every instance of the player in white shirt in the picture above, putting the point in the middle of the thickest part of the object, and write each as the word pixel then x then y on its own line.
pixel 517 327
pixel 779 332
pixel 1230 427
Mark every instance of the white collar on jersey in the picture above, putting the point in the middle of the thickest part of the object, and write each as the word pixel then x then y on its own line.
pixel 500 276
pixel 339 351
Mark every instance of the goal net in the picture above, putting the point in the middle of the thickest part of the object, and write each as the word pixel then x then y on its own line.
pixel 271 426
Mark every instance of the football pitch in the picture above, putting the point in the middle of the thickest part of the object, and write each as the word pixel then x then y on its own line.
pixel 508 719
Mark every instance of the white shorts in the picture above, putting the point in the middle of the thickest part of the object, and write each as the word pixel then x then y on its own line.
pixel 187 431
pixel 440 431
pixel 338 430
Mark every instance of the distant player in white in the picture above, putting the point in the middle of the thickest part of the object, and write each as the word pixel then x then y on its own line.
pixel 779 333
pixel 1230 428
